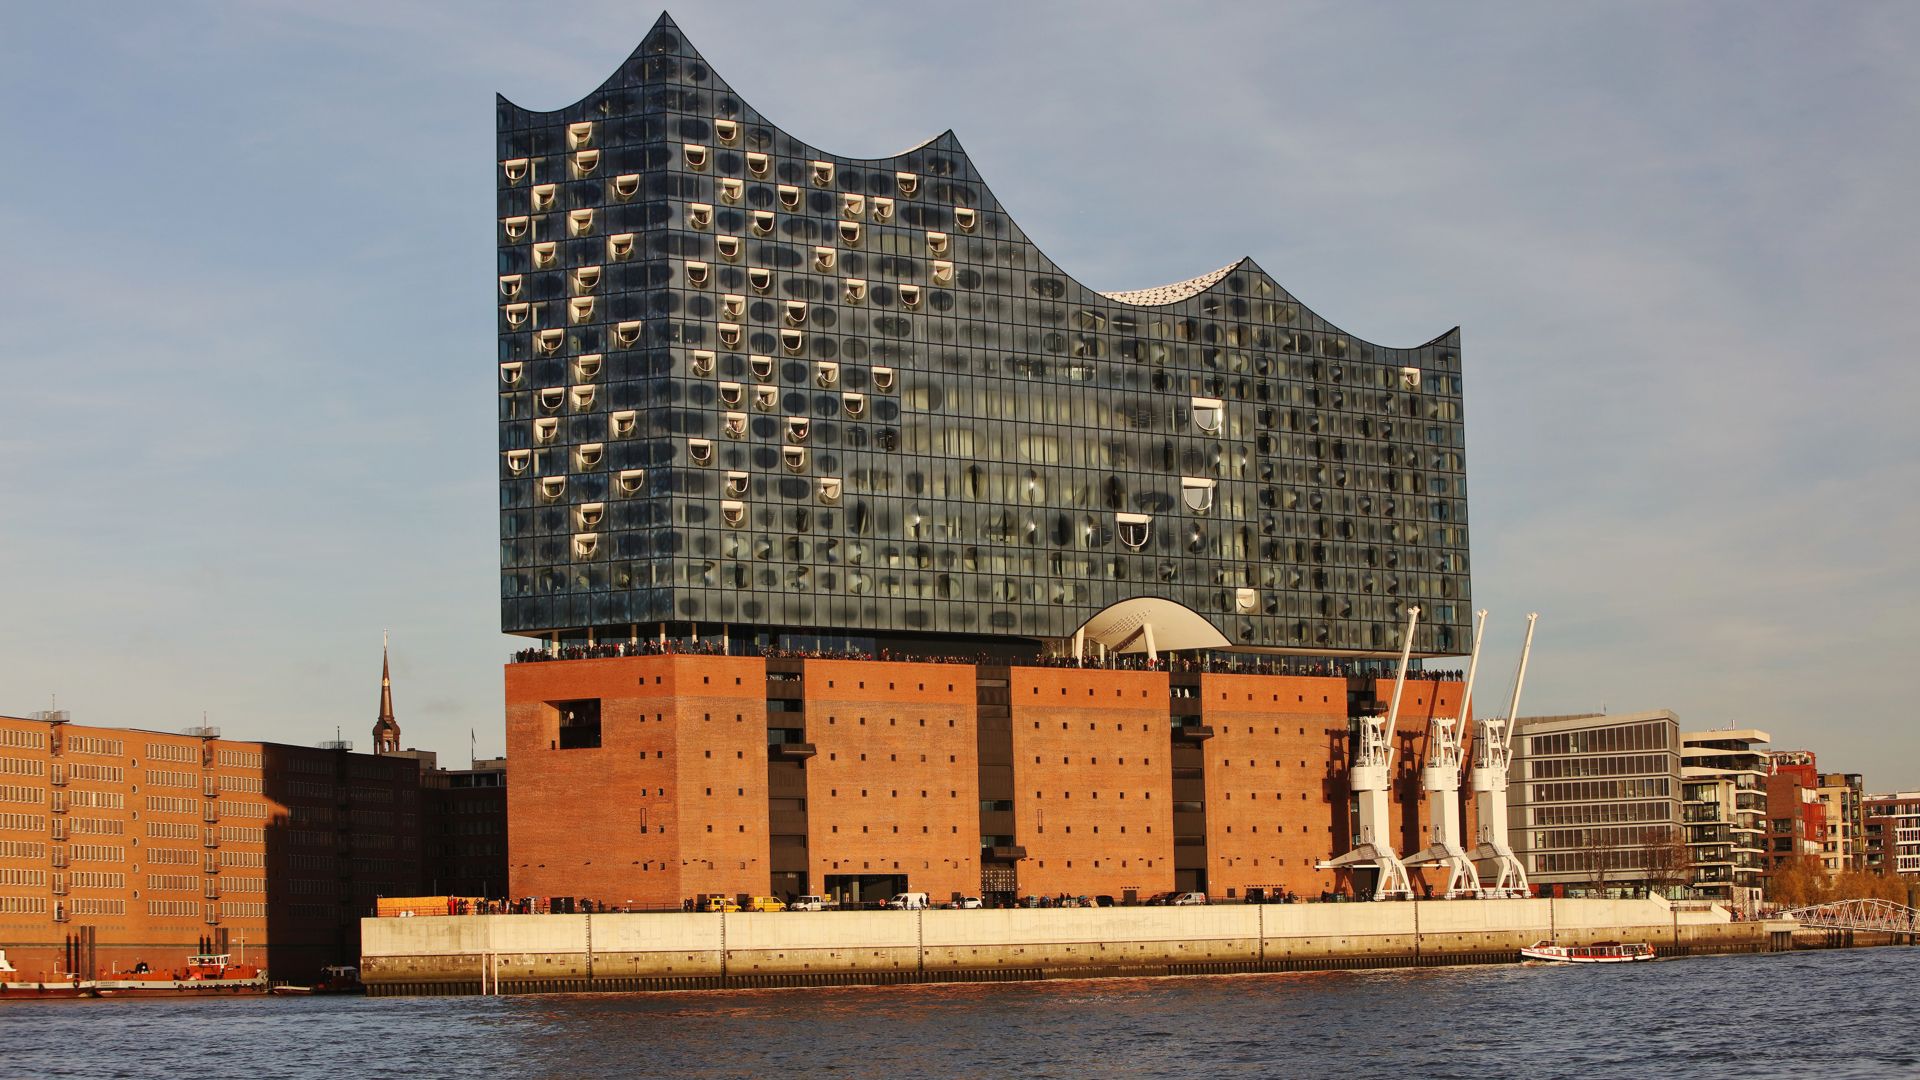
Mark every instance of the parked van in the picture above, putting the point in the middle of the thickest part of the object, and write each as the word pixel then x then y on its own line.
pixel 812 903
pixel 720 903
pixel 765 903
pixel 908 901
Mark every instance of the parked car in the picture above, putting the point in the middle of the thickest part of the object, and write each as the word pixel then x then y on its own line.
pixel 964 903
pixel 1103 900
pixel 908 901
pixel 720 903
pixel 812 903
pixel 1188 898
pixel 766 903
pixel 1161 899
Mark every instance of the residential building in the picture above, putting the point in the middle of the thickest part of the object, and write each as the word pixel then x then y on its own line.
pixel 1724 774
pixel 800 424
pixel 1843 797
pixel 1796 816
pixel 1892 833
pixel 1594 802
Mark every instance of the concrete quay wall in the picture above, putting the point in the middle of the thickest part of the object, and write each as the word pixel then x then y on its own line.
pixel 570 953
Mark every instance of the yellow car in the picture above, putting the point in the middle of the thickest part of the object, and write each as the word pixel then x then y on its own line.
pixel 765 903
pixel 720 903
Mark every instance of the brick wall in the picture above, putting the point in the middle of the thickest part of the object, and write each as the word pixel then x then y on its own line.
pixel 894 786
pixel 1093 796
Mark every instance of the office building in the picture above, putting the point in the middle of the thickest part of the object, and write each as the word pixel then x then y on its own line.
pixel 1594 802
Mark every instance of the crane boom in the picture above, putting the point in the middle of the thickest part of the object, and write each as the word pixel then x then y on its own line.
pixel 1369 780
pixel 1492 754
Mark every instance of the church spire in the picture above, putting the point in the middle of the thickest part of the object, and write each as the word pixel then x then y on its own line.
pixel 386 731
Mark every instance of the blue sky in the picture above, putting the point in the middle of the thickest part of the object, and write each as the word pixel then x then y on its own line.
pixel 247 420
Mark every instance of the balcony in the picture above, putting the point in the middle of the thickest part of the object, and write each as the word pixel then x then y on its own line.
pixel 792 751
pixel 1193 732
pixel 1003 853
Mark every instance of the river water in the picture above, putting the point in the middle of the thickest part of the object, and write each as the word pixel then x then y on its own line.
pixel 1831 1015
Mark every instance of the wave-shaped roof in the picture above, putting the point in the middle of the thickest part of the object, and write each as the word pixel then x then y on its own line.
pixel 939 153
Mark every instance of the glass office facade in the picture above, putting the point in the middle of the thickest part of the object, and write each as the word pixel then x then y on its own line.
pixel 745 381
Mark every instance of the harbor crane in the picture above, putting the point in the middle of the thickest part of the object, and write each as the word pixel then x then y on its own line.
pixel 1492 754
pixel 1370 779
pixel 1440 779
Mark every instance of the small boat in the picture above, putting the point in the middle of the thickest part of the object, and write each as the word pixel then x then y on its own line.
pixel 1603 952
pixel 335 979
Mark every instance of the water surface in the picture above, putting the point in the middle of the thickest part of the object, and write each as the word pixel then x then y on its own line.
pixel 1832 1015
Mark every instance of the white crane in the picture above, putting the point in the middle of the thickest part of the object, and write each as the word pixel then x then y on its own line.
pixel 1492 753
pixel 1440 778
pixel 1370 780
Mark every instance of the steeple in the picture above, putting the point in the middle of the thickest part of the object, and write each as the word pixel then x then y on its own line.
pixel 386 731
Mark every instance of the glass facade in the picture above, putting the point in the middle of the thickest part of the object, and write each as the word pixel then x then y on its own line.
pixel 745 381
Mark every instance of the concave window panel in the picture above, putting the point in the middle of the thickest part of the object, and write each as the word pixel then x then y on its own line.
pixel 1197 493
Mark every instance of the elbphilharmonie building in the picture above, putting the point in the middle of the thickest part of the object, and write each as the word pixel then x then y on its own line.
pixel 745 382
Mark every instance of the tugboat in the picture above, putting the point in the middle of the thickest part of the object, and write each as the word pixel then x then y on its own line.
pixel 205 974
pixel 1603 952
pixel 66 985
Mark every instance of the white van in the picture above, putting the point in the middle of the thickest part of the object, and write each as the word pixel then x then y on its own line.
pixel 908 901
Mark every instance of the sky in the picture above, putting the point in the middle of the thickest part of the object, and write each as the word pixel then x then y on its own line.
pixel 246 376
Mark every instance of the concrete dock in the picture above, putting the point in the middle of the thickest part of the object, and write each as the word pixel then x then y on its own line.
pixel 473 954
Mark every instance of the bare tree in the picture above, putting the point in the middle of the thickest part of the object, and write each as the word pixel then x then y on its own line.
pixel 1602 855
pixel 1663 850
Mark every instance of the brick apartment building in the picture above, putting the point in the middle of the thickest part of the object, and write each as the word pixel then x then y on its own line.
pixel 1796 814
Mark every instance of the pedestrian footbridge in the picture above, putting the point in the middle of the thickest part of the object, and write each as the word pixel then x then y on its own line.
pixel 1873 915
